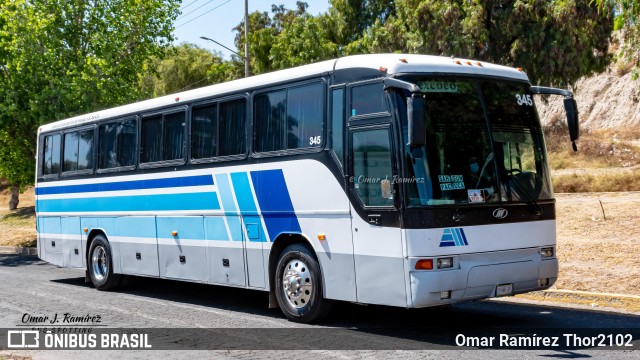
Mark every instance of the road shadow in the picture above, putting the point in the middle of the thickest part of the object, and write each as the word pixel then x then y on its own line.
pixel 415 324
pixel 14 260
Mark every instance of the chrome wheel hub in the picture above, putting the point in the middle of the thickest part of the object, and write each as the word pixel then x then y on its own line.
pixel 99 263
pixel 296 283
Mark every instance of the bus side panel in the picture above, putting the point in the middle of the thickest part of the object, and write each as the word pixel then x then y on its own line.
pixel 72 244
pixel 182 256
pixel 225 257
pixel 379 263
pixel 138 245
pixel 256 238
pixel 322 208
pixel 51 234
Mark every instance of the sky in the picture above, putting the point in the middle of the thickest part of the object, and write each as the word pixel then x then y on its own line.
pixel 215 19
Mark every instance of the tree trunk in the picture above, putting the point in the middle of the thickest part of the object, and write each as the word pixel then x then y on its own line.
pixel 13 202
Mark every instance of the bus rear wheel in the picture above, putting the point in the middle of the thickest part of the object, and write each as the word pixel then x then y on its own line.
pixel 299 285
pixel 100 265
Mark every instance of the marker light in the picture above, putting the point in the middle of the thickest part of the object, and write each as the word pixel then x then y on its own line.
pixel 177 99
pixel 424 264
pixel 403 60
pixel 85 229
pixel 520 69
pixel 546 252
pixel 321 236
pixel 468 62
pixel 444 263
pixel 174 233
pixel 383 69
pixel 479 63
pixel 458 62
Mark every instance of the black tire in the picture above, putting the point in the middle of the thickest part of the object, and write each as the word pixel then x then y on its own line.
pixel 100 265
pixel 299 266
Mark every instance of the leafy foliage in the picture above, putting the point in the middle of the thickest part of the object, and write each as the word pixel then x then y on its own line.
pixel 627 20
pixel 62 58
pixel 556 42
pixel 184 67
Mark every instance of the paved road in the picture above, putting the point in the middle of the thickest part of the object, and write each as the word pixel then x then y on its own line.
pixel 29 286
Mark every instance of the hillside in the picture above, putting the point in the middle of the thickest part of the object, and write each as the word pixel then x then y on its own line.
pixel 610 100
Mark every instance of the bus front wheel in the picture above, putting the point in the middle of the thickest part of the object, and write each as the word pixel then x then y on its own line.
pixel 299 285
pixel 100 264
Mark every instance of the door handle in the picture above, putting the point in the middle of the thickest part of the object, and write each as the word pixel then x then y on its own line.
pixel 374 219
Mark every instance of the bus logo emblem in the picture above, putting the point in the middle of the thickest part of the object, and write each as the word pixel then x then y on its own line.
pixel 500 213
pixel 453 237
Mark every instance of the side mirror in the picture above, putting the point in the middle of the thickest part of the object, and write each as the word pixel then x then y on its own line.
pixel 415 114
pixel 571 109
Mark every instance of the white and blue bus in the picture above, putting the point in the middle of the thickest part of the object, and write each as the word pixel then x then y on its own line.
pixel 401 180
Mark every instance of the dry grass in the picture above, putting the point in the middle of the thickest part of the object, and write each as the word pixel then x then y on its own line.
pixel 17 228
pixel 597 181
pixel 607 160
pixel 596 254
pixel 596 149
pixel 10 356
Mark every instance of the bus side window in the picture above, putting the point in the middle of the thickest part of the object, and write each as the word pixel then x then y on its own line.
pixel 163 137
pixel 117 144
pixel 78 151
pixel 51 155
pixel 368 99
pixel 233 115
pixel 289 119
pixel 222 133
pixel 372 167
pixel 204 132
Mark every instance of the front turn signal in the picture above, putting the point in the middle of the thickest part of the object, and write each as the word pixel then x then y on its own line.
pixel 424 264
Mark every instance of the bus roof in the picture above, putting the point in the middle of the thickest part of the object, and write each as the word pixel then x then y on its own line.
pixel 393 63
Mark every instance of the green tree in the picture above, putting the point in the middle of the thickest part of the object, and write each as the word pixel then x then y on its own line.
pixel 627 20
pixel 303 41
pixel 64 57
pixel 349 19
pixel 556 42
pixel 264 31
pixel 184 67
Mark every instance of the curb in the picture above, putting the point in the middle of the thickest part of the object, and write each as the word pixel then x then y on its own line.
pixel 592 294
pixel 16 250
pixel 592 300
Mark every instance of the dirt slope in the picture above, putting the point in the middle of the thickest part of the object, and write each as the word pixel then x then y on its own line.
pixel 605 101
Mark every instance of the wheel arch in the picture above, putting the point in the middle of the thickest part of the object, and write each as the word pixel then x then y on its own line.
pixel 279 244
pixel 90 236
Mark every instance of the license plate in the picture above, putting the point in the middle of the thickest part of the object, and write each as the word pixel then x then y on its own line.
pixel 504 289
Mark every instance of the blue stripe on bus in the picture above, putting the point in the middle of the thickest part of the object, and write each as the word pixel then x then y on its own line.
pixel 133 226
pixel 275 202
pixel 198 180
pixel 214 228
pixel 247 205
pixel 159 202
pixel 229 206
pixel 243 194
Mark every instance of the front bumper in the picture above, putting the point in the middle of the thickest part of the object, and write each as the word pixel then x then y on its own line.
pixel 476 276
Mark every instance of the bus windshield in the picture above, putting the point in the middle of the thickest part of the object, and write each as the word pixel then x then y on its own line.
pixel 484 145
